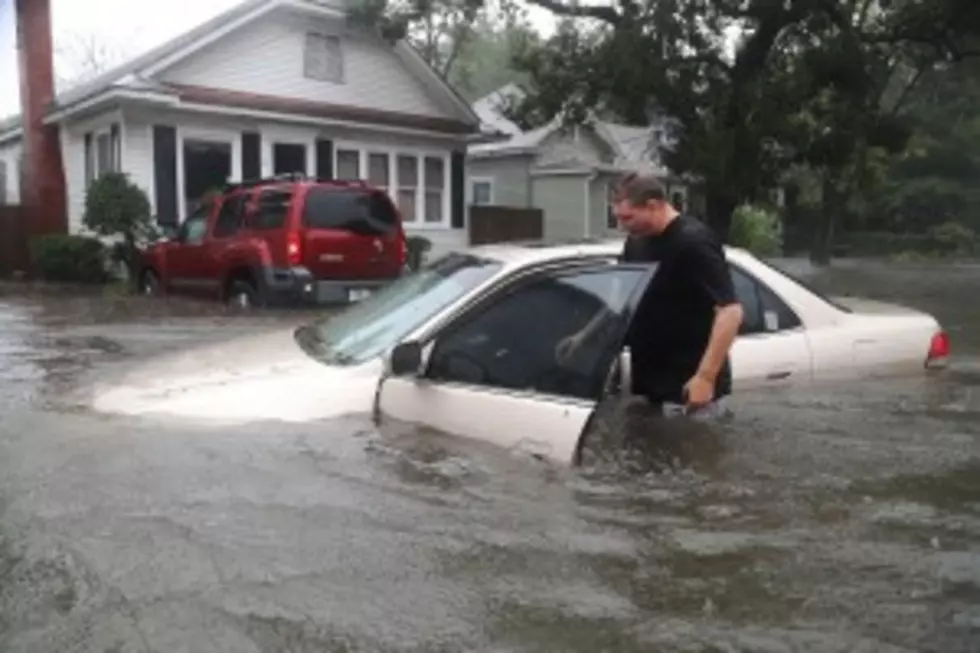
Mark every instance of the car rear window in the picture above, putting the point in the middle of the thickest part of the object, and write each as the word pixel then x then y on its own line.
pixel 360 211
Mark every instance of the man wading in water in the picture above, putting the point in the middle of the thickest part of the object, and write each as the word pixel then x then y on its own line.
pixel 689 316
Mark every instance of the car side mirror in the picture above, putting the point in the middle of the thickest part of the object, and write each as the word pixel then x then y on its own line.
pixel 406 359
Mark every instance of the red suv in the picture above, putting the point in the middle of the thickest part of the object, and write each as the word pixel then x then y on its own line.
pixel 282 241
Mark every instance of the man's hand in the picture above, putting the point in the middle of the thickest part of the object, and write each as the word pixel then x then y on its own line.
pixel 698 392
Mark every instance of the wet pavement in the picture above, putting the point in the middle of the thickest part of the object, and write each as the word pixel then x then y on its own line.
pixel 831 519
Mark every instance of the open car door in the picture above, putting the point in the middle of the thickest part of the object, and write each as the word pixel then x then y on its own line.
pixel 491 371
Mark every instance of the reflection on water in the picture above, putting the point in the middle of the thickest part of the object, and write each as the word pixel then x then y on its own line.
pixel 822 519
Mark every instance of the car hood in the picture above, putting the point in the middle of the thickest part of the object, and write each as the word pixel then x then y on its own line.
pixel 265 377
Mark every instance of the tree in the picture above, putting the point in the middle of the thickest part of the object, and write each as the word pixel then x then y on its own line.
pixel 745 108
pixel 438 29
pixel 115 207
pixel 80 57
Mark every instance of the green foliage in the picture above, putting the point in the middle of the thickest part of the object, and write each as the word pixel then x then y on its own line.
pixel 70 259
pixel 114 206
pixel 953 239
pixel 757 230
pixel 418 247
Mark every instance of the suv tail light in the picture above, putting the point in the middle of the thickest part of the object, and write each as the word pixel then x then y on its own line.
pixel 938 350
pixel 294 253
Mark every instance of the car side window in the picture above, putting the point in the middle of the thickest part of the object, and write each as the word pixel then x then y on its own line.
pixel 511 343
pixel 193 230
pixel 230 216
pixel 764 311
pixel 272 207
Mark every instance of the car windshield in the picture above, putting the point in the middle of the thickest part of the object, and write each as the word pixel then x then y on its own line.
pixel 376 324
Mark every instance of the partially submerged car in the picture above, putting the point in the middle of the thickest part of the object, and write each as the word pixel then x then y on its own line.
pixel 466 345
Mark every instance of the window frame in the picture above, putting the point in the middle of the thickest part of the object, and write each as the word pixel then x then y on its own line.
pixel 514 283
pixel 761 289
pixel 492 192
pixel 255 204
pixel 365 149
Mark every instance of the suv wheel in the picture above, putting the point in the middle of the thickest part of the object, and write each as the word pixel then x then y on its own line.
pixel 149 284
pixel 242 295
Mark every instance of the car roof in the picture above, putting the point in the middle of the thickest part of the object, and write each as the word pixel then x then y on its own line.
pixel 531 252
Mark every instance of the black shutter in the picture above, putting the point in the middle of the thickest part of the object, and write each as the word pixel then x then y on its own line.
pixel 457 177
pixel 251 156
pixel 115 145
pixel 165 173
pixel 324 159
pixel 89 171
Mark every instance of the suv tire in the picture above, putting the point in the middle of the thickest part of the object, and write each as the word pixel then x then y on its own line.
pixel 242 295
pixel 149 284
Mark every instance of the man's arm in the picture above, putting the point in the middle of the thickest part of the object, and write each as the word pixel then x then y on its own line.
pixel 713 276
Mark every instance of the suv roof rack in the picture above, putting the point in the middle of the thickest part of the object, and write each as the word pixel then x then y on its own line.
pixel 292 177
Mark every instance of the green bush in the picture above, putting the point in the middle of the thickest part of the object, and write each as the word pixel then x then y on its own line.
pixel 953 239
pixel 757 230
pixel 70 259
pixel 117 208
pixel 417 247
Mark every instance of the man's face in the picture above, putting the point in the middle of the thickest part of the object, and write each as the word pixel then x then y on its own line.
pixel 639 220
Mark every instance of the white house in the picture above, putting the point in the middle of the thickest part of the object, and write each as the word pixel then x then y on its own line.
pixel 269 86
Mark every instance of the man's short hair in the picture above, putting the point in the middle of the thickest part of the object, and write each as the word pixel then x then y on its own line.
pixel 639 189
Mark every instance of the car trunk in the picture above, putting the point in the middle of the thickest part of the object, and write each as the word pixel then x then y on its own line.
pixel 350 233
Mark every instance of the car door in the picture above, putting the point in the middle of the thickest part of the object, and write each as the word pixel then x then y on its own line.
pixel 221 238
pixel 491 373
pixel 772 347
pixel 184 255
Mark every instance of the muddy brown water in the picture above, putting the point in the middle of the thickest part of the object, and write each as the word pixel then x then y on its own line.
pixel 830 519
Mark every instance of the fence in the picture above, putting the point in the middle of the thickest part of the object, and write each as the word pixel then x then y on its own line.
pixel 14 240
pixel 496 224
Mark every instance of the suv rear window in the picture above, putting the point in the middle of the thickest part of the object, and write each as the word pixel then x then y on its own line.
pixel 272 208
pixel 366 212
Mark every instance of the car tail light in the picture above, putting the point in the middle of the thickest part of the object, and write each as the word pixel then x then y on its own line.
pixel 938 350
pixel 294 253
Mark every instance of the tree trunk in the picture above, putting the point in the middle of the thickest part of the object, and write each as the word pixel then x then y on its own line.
pixel 822 235
pixel 719 209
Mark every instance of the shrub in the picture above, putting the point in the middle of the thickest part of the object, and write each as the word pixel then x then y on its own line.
pixel 70 259
pixel 116 207
pixel 417 247
pixel 757 230
pixel 953 238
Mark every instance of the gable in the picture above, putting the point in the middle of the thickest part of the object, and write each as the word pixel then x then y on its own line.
pixel 266 57
pixel 565 146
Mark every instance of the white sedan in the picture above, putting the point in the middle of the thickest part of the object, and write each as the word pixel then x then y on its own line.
pixel 467 346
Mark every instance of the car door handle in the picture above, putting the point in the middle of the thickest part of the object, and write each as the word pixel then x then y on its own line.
pixel 778 376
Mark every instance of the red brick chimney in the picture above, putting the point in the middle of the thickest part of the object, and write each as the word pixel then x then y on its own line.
pixel 44 191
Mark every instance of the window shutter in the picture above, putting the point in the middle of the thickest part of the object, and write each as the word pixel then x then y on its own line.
pixel 457 203
pixel 165 173
pixel 251 156
pixel 324 159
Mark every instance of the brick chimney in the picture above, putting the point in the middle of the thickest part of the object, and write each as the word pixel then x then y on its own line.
pixel 44 190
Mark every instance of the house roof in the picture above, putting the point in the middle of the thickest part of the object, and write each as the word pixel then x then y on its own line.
pixel 132 75
pixel 634 147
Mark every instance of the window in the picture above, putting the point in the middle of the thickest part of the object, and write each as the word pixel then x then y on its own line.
pixel 378 173
pixel 482 192
pixel 348 164
pixel 193 230
pixel 271 210
pixel 511 343
pixel 230 216
pixel 764 311
pixel 103 156
pixel 611 221
pixel 323 58
pixel 435 184
pixel 383 319
pixel 408 185
pixel 357 211
pixel 288 158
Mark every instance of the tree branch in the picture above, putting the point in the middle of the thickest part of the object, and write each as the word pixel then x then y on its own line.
pixel 607 14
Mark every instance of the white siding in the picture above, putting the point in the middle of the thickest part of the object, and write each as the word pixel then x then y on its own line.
pixel 10 155
pixel 266 58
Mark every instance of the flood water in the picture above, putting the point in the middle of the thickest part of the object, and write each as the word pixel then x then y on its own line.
pixel 832 519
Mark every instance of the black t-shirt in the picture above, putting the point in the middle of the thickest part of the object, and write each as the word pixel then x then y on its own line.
pixel 674 318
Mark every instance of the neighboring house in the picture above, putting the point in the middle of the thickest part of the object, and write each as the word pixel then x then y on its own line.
pixel 567 173
pixel 270 86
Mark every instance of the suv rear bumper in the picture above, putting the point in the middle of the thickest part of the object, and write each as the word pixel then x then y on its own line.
pixel 298 286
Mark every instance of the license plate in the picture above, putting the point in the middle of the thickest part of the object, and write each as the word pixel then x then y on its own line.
pixel 357 294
